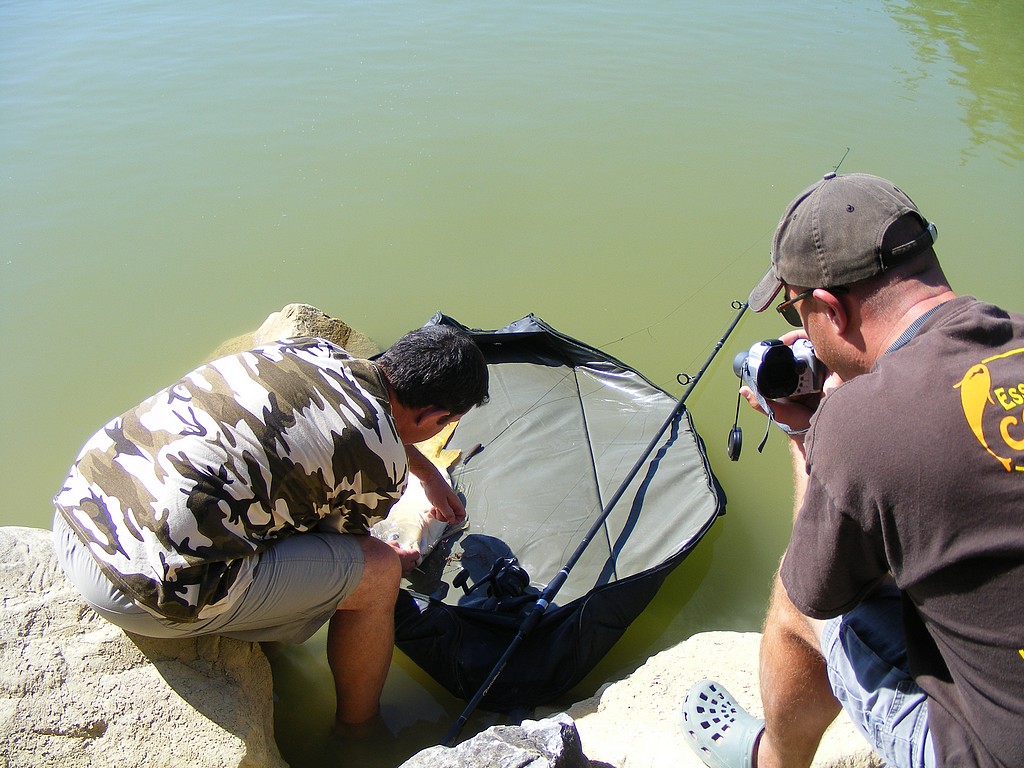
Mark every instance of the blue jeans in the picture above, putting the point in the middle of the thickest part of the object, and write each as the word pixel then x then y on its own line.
pixel 866 656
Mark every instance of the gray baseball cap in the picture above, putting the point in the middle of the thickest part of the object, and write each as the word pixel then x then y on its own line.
pixel 832 234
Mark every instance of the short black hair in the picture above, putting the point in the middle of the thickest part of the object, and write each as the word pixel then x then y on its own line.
pixel 436 365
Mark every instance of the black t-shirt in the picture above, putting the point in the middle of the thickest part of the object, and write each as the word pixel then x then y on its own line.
pixel 917 468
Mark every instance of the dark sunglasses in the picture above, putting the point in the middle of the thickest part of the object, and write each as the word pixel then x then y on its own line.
pixel 788 308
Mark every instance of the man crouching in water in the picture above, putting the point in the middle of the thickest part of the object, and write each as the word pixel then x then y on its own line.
pixel 238 501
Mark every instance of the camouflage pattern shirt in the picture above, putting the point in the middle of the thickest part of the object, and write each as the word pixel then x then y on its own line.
pixel 176 498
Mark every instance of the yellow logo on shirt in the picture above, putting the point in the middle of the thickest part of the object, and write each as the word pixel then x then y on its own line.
pixel 992 396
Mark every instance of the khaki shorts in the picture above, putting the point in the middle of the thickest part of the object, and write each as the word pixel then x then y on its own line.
pixel 297 587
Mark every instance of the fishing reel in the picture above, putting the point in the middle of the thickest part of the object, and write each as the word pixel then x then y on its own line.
pixel 506 579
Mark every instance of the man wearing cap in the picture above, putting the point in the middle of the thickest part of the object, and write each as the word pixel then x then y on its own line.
pixel 901 595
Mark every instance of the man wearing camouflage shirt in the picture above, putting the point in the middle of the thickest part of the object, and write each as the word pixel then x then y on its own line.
pixel 218 506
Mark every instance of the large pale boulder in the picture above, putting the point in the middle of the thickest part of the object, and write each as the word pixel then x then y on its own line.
pixel 637 722
pixel 77 691
pixel 294 320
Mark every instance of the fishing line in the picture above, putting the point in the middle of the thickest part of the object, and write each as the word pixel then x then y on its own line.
pixel 542 401
pixel 558 507
pixel 536 404
pixel 476 449
pixel 696 292
pixel 717 275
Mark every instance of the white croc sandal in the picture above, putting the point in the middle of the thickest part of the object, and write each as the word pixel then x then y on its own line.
pixel 718 729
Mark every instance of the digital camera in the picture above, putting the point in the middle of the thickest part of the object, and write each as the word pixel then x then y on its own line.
pixel 773 369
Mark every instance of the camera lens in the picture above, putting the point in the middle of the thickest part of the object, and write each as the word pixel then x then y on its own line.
pixel 739 362
pixel 777 375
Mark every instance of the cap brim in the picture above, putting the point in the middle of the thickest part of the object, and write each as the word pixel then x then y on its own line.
pixel 763 293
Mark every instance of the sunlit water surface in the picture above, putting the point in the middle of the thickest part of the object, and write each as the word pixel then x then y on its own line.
pixel 173 173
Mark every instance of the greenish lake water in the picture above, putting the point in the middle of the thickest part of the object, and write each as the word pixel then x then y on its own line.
pixel 173 173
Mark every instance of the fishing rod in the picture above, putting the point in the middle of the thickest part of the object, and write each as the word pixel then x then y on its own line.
pixel 536 612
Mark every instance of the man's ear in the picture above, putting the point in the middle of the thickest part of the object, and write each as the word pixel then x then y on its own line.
pixel 432 415
pixel 835 309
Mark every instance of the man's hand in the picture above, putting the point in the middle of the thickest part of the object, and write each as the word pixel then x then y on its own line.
pixel 447 505
pixel 410 558
pixel 795 413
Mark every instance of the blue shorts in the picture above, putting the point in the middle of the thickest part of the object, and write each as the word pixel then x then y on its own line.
pixel 866 654
pixel 297 587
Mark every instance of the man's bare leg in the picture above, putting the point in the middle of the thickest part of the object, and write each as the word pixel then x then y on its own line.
pixel 361 636
pixel 797 698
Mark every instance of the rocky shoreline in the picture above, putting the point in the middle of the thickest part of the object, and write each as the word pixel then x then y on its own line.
pixel 76 691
